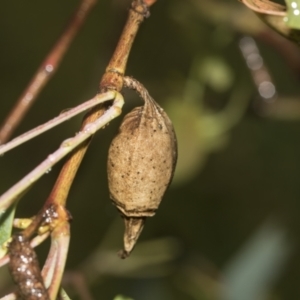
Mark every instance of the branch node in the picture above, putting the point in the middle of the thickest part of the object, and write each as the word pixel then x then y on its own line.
pixel 141 8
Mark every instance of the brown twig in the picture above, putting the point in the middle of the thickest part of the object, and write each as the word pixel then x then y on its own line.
pixel 21 139
pixel 111 80
pixel 45 71
pixel 149 2
pixel 66 147
pixel 54 266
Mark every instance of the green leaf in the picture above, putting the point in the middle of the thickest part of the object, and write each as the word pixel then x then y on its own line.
pixel 293 13
pixel 6 223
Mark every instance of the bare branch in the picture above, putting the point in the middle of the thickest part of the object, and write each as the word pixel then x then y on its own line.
pixel 54 265
pixel 16 191
pixel 56 121
pixel 45 71
pixel 149 2
pixel 111 80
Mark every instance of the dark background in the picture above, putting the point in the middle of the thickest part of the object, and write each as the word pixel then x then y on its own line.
pixel 236 196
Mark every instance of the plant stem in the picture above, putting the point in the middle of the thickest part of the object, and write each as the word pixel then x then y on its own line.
pixel 99 116
pixel 111 80
pixel 55 263
pixel 16 191
pixel 55 121
pixel 45 71
pixel 11 296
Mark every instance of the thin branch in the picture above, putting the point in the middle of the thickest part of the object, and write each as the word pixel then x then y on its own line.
pixel 66 147
pixel 96 119
pixel 149 2
pixel 113 76
pixel 21 223
pixel 111 80
pixel 45 71
pixel 11 296
pixel 57 219
pixel 56 121
pixel 55 263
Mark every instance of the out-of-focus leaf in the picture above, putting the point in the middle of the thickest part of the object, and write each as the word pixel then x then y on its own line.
pixel 283 108
pixel 216 73
pixel 229 13
pixel 191 140
pixel 251 273
pixel 200 131
pixel 275 16
pixel 151 258
pixel 201 282
pixel 293 13
pixel 6 222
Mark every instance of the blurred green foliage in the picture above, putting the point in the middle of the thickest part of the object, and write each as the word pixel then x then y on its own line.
pixel 293 17
pixel 237 167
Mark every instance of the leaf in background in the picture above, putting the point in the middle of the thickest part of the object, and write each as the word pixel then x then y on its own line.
pixel 252 272
pixel 216 73
pixel 293 13
pixel 192 150
pixel 199 130
pixel 275 16
pixel 6 222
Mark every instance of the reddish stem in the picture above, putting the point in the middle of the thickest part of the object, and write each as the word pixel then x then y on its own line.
pixel 111 80
pixel 45 71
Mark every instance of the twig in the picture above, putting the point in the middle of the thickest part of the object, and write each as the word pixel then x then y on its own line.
pixel 149 2
pixel 45 71
pixel 31 283
pixel 11 296
pixel 56 121
pixel 97 118
pixel 55 263
pixel 66 147
pixel 111 80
